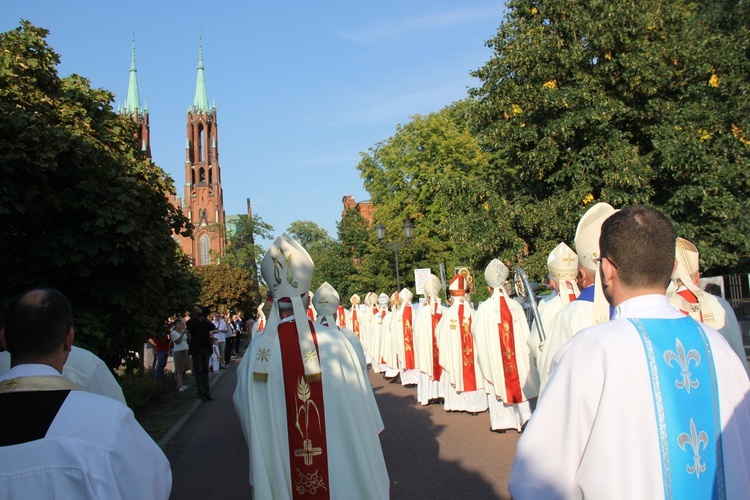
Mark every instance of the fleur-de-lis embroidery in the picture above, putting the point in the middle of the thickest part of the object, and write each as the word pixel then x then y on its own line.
pixel 263 355
pixel 683 360
pixel 695 440
pixel 286 265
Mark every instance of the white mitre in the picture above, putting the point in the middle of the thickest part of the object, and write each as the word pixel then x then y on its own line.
pixel 405 296
pixel 432 287
pixel 563 268
pixel 383 300
pixel 371 299
pixel 496 274
pixel 325 301
pixel 287 269
pixel 587 247
pixel 354 300
pixel 688 264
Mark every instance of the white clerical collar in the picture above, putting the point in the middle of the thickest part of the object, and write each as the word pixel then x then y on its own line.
pixel 647 306
pixel 29 370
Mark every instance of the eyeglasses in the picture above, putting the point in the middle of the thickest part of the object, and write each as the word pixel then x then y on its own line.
pixel 598 261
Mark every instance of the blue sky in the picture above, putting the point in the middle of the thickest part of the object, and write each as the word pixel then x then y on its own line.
pixel 301 87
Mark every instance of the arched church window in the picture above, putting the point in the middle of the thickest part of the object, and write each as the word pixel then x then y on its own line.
pixel 205 250
pixel 201 142
pixel 210 175
pixel 202 175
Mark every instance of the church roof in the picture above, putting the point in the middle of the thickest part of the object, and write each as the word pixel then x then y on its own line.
pixel 200 103
pixel 133 101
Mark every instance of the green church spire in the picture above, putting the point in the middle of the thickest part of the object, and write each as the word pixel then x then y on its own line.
pixel 133 102
pixel 201 98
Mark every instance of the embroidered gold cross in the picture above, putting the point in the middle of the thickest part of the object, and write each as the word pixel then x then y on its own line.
pixel 308 452
pixel 11 383
pixel 568 259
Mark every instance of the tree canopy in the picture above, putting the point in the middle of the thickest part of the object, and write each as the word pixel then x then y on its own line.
pixel 81 208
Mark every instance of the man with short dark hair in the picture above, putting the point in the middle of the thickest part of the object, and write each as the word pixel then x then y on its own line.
pixel 200 350
pixel 56 439
pixel 651 404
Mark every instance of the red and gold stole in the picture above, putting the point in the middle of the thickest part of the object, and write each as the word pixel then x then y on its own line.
pixel 508 354
pixel 341 316
pixel 305 418
pixel 310 314
pixel 437 370
pixel 382 316
pixel 262 325
pixel 571 295
pixel 409 363
pixel 690 298
pixel 355 321
pixel 467 351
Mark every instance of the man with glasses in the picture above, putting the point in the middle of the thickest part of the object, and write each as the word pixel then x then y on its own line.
pixel 590 308
pixel 652 404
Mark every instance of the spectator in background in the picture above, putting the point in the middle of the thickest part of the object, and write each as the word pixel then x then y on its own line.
pixel 161 351
pixel 200 350
pixel 221 329
pixel 180 353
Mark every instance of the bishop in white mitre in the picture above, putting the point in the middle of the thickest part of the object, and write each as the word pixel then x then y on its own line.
pixel 306 409
pixel 426 345
pixel 500 335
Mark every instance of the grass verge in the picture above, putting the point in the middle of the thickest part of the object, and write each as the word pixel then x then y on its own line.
pixel 157 405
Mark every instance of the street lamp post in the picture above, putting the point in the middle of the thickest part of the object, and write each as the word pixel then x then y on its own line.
pixel 408 233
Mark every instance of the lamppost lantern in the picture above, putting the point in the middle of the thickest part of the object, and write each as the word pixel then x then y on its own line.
pixel 408 229
pixel 408 233
pixel 380 232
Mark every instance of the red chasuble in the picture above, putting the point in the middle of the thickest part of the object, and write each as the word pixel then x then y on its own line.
pixel 437 370
pixel 467 352
pixel 305 419
pixel 508 350
pixel 409 363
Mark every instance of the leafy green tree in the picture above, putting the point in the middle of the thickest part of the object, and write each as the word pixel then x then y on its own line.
pixel 81 208
pixel 308 234
pixel 430 172
pixel 599 101
pixel 224 288
pixel 243 253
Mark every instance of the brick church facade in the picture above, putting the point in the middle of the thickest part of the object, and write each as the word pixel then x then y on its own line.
pixel 203 199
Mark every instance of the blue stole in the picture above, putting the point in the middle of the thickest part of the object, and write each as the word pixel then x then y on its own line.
pixel 686 404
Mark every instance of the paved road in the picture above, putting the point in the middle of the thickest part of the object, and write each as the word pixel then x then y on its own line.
pixel 430 453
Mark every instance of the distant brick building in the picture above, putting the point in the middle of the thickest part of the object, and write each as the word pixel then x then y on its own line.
pixel 365 208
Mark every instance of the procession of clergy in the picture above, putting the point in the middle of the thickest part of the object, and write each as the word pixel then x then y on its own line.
pixel 468 360
pixel 641 393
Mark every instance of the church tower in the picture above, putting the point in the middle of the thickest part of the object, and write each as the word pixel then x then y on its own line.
pixel 204 199
pixel 133 109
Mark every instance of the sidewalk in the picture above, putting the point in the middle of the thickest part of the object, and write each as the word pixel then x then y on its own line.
pixel 430 453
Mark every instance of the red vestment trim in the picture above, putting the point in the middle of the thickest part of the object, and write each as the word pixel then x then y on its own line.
pixel 508 355
pixel 261 326
pixel 467 352
pixel 382 315
pixel 409 363
pixel 310 314
pixel 341 317
pixel 437 370
pixel 690 298
pixel 355 322
pixel 305 419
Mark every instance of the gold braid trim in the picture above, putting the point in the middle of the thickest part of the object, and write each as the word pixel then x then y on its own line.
pixel 40 383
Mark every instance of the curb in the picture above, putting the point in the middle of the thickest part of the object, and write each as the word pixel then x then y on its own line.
pixel 180 424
